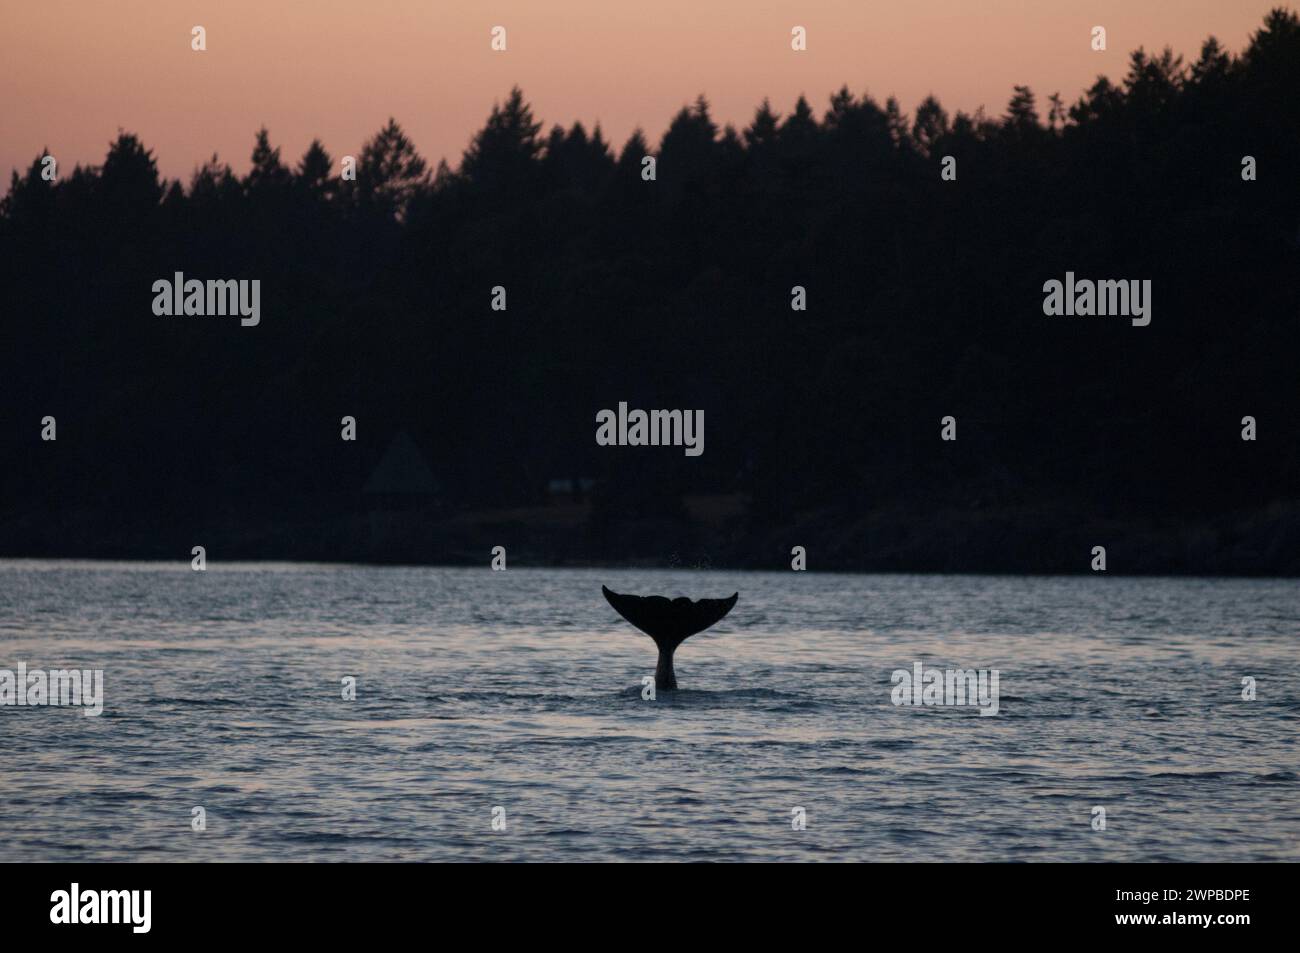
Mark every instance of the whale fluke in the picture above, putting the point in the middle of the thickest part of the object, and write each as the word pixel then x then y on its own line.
pixel 670 622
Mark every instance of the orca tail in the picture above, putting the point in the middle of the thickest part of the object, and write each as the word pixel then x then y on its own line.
pixel 670 622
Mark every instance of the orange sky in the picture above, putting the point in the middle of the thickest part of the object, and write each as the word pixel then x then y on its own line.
pixel 72 72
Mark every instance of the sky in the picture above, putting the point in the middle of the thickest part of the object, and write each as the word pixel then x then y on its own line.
pixel 72 72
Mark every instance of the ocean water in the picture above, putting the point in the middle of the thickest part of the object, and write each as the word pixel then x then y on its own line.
pixel 521 690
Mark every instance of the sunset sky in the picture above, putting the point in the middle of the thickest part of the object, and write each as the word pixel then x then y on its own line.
pixel 72 73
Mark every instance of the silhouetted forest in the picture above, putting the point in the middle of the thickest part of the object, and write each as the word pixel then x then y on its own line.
pixel 822 427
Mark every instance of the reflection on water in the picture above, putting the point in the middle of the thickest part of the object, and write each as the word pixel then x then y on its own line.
pixel 523 690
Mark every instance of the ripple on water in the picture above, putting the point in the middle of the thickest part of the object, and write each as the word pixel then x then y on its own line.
pixel 522 690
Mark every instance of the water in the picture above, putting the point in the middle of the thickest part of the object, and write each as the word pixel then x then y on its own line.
pixel 522 690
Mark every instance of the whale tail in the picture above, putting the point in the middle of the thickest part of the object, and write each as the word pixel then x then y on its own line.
pixel 670 622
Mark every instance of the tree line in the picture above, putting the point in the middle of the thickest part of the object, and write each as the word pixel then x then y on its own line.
pixel 924 299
